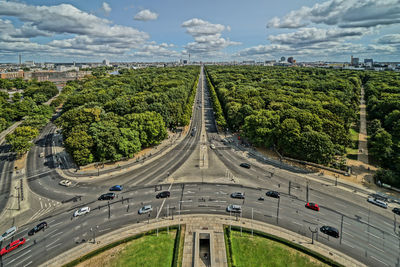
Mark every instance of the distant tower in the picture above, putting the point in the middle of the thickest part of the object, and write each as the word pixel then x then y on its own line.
pixel 20 59
pixel 189 58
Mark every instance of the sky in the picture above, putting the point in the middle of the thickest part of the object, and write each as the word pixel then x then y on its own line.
pixel 207 30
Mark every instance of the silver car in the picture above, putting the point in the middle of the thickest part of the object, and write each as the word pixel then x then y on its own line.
pixel 378 202
pixel 234 208
pixel 7 234
pixel 145 209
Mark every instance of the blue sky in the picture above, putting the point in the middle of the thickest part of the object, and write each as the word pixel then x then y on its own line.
pixel 218 30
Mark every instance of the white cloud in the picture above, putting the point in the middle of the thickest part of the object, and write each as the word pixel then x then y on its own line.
pixel 156 51
pixel 106 8
pixel 344 13
pixel 146 15
pixel 207 36
pixel 390 39
pixel 306 36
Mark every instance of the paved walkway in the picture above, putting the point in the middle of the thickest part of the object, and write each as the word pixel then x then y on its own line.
pixel 363 135
pixel 214 222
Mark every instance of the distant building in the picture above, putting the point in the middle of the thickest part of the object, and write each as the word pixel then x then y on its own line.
pixel 291 60
pixel 106 62
pixel 369 62
pixel 12 75
pixel 185 61
pixel 30 63
pixel 62 68
pixel 283 59
pixel 355 61
pixel 249 62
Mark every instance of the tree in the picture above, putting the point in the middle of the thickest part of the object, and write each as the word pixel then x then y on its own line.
pixel 289 136
pixel 20 139
pixel 381 145
pixel 261 128
pixel 316 147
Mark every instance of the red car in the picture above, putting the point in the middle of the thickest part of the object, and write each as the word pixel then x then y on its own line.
pixel 12 246
pixel 312 206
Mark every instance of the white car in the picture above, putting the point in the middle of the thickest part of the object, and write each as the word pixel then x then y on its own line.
pixel 234 208
pixel 145 209
pixel 378 202
pixel 7 234
pixel 81 211
pixel 65 183
pixel 212 146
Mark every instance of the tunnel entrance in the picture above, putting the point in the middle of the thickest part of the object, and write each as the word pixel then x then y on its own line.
pixel 204 253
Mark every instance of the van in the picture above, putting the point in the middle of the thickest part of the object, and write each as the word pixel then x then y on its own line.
pixel 7 234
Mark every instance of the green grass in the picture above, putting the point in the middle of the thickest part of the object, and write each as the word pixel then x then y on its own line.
pixel 258 251
pixel 352 151
pixel 148 250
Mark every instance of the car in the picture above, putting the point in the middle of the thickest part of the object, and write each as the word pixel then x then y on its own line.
pixel 107 196
pixel 237 195
pixel 312 206
pixel 65 183
pixel 234 208
pixel 7 234
pixel 13 245
pixel 378 202
pixel 116 188
pixel 81 211
pixel 212 146
pixel 163 194
pixel 329 230
pixel 274 194
pixel 41 155
pixel 245 165
pixel 145 209
pixel 37 228
pixel 396 210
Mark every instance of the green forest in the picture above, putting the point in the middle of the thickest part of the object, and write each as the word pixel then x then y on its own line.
pixel 382 92
pixel 27 105
pixel 111 117
pixel 304 113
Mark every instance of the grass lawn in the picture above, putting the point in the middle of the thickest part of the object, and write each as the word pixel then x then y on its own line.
pixel 353 150
pixel 148 250
pixel 258 251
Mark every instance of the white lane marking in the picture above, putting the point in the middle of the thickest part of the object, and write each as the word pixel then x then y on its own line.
pixel 346 223
pixel 391 225
pixel 375 236
pixel 214 210
pixel 51 233
pixel 54 246
pixel 184 211
pixel 347 244
pixel 52 221
pixel 183 201
pixel 59 233
pixel 19 257
pixel 103 230
pixel 377 248
pixel 297 223
pixel 29 263
pixel 56 224
pixel 347 234
pixel 55 241
pixel 41 205
pixel 317 196
pixel 379 260
pixel 162 205
pixel 259 203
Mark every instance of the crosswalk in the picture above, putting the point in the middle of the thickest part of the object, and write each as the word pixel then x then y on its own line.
pixel 46 206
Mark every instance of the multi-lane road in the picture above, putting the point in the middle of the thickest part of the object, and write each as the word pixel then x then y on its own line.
pixel 367 233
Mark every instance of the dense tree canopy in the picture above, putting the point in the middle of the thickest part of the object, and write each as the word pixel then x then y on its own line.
pixel 382 90
pixel 305 113
pixel 113 117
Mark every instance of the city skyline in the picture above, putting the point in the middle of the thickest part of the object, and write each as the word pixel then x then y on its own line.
pixel 66 31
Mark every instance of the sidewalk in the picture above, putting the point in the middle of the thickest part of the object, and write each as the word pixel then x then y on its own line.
pixel 201 220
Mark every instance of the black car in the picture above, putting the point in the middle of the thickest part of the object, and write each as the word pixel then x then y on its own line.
pixel 329 230
pixel 163 194
pixel 396 210
pixel 273 194
pixel 37 228
pixel 245 165
pixel 237 195
pixel 107 196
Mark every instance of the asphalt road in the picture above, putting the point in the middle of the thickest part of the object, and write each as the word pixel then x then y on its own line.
pixel 369 240
pixel 368 233
pixel 6 170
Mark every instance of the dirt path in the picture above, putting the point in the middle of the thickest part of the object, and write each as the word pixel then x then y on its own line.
pixel 362 136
